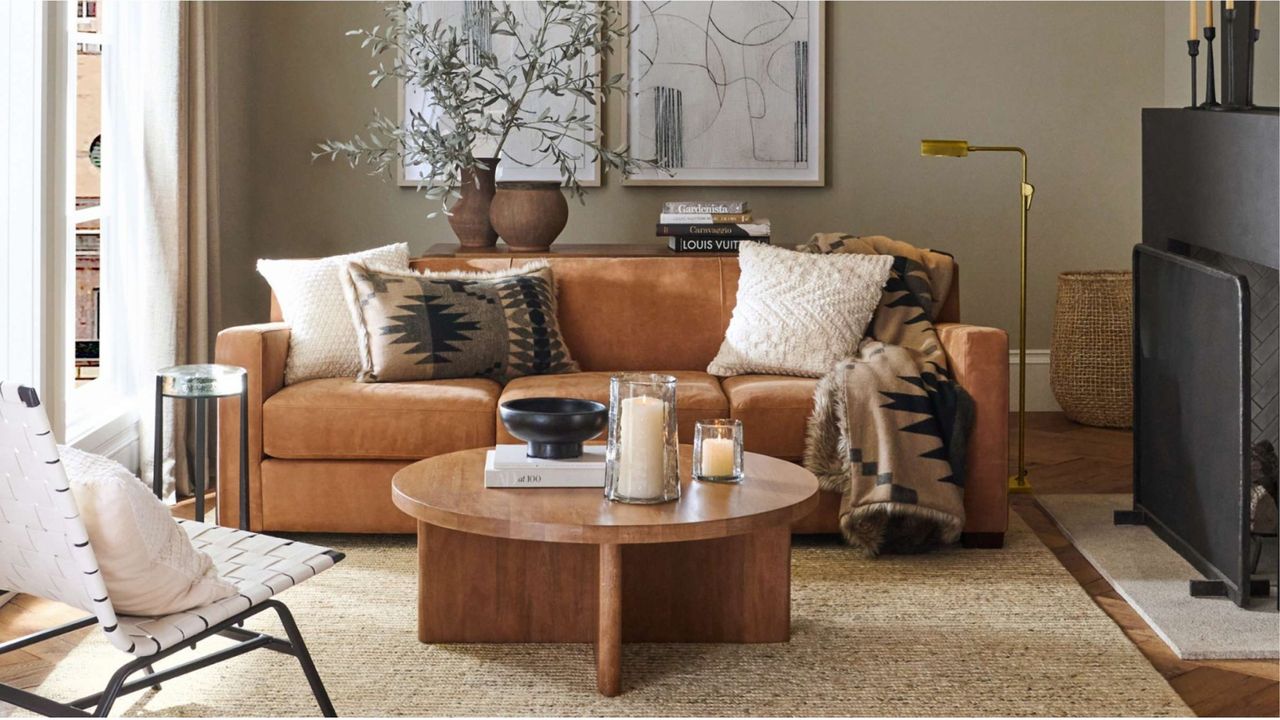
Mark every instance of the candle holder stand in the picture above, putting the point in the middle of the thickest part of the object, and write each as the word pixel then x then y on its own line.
pixel 1210 88
pixel 1193 50
pixel 717 451
pixel 642 460
pixel 1253 40
pixel 1228 58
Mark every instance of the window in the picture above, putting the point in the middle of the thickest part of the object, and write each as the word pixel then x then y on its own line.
pixel 85 135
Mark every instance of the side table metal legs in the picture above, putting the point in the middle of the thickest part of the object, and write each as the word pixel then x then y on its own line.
pixel 200 467
pixel 200 383
pixel 157 469
pixel 244 457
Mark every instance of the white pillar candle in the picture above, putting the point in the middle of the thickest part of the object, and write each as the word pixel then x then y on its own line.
pixel 641 470
pixel 717 457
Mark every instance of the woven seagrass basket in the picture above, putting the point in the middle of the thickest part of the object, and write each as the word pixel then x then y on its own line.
pixel 1091 358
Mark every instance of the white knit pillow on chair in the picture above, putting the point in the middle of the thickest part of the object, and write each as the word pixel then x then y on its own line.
pixel 798 313
pixel 147 561
pixel 322 337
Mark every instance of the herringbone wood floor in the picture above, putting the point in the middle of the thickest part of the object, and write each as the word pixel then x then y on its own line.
pixel 1062 457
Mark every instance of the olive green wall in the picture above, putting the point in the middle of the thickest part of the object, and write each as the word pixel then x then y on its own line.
pixel 1066 80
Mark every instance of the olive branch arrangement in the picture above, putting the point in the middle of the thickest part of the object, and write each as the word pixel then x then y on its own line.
pixel 477 100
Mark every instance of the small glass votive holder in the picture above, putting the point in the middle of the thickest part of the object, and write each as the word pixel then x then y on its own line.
pixel 717 451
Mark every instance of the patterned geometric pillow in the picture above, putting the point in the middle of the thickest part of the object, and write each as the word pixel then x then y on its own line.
pixel 432 326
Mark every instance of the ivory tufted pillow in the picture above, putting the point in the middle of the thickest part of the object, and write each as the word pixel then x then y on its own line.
pixel 798 313
pixel 147 561
pixel 322 338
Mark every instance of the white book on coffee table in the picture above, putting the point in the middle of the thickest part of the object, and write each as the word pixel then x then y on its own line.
pixel 508 466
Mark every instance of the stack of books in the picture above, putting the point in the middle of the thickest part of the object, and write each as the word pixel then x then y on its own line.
pixel 710 227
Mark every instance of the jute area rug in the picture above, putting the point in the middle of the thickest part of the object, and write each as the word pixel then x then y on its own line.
pixel 1153 577
pixel 962 632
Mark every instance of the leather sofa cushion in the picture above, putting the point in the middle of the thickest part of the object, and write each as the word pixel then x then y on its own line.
pixel 340 418
pixel 774 411
pixel 641 313
pixel 698 396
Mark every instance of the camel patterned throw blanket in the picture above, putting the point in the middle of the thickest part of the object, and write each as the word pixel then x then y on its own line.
pixel 890 425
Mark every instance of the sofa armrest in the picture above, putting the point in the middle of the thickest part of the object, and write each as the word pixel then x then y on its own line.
pixel 261 350
pixel 979 358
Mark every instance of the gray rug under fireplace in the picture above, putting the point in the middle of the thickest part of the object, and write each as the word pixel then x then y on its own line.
pixel 1153 579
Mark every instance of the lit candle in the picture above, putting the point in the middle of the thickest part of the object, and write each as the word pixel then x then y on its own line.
pixel 717 457
pixel 1208 13
pixel 641 466
pixel 1194 32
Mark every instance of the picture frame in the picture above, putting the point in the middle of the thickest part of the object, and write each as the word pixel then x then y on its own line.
pixel 510 169
pixel 692 24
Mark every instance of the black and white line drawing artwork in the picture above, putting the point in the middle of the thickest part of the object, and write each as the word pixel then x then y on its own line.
pixel 521 161
pixel 727 92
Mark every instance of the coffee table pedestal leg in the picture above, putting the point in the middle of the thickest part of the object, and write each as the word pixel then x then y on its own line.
pixel 609 622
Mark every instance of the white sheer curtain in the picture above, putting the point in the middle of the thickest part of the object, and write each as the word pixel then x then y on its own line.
pixel 159 233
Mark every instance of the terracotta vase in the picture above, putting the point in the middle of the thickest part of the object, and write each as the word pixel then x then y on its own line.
pixel 529 215
pixel 470 215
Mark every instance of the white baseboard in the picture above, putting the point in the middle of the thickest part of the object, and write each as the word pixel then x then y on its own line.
pixel 1039 395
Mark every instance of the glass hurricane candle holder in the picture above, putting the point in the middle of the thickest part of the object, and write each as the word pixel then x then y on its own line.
pixel 642 461
pixel 717 451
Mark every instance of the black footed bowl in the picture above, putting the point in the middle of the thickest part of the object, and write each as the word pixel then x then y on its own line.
pixel 555 428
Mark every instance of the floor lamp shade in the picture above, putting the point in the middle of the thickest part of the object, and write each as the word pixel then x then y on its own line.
pixel 944 148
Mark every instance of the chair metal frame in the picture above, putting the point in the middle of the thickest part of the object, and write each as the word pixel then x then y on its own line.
pixel 232 627
pixel 119 685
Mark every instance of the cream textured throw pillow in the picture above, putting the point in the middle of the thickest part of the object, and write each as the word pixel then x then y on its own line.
pixel 147 561
pixel 322 338
pixel 798 313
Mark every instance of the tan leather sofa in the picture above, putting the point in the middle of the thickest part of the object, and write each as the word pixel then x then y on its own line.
pixel 322 452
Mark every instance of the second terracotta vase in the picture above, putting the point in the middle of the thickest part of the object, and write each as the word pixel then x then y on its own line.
pixel 470 215
pixel 529 215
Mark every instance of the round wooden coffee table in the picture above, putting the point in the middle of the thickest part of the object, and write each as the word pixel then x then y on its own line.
pixel 567 565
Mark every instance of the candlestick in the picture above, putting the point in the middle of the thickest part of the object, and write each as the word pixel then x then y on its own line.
pixel 1253 40
pixel 1193 49
pixel 1229 55
pixel 1210 88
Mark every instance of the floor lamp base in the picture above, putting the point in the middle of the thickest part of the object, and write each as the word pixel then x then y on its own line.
pixel 1019 484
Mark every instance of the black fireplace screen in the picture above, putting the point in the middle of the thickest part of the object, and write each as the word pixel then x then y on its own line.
pixel 1192 413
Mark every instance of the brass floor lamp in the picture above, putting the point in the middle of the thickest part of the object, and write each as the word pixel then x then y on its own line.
pixel 962 148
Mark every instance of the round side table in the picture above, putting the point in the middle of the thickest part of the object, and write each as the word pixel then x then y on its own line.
pixel 203 383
